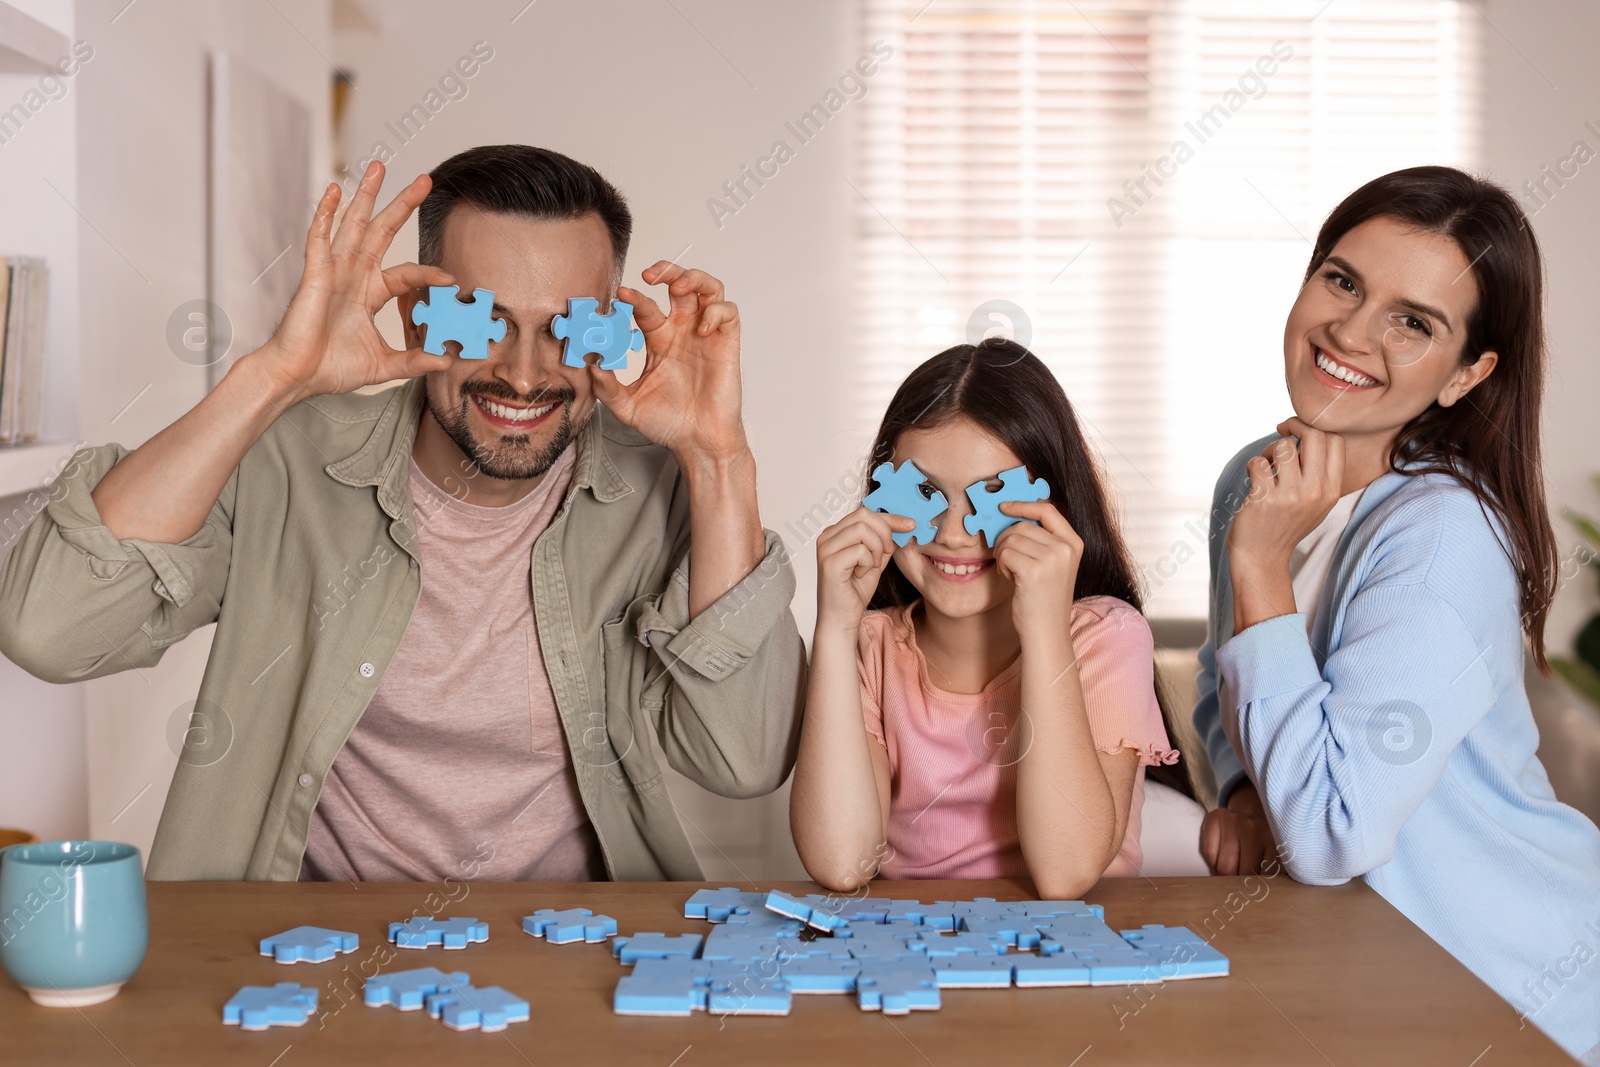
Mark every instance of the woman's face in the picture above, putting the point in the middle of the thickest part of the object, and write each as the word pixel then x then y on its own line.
pixel 1375 336
pixel 955 573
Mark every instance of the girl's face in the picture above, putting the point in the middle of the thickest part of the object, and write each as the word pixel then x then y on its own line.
pixel 1375 336
pixel 955 573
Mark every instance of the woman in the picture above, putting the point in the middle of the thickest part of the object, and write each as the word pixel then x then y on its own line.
pixel 1375 566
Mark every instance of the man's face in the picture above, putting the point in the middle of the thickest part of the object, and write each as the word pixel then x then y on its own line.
pixel 513 414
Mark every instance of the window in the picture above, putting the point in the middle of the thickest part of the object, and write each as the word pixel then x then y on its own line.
pixel 1131 188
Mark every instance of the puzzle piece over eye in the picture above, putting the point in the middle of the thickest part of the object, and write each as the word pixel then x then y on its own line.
pixel 471 324
pixel 585 330
pixel 899 492
pixel 987 517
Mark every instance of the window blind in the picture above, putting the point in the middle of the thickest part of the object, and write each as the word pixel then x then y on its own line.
pixel 1130 188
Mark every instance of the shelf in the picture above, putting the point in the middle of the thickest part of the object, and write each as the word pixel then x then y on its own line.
pixel 28 46
pixel 22 466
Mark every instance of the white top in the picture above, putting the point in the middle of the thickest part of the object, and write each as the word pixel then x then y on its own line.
pixel 1312 558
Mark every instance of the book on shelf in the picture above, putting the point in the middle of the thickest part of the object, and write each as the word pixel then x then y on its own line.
pixel 24 287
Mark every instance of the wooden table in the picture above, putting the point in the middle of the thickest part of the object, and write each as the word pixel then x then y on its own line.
pixel 1320 976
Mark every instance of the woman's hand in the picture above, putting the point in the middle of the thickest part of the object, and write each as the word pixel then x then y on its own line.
pixel 1291 491
pixel 851 555
pixel 1042 563
pixel 1236 839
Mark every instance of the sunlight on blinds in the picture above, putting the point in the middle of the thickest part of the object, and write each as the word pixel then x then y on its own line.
pixel 1130 188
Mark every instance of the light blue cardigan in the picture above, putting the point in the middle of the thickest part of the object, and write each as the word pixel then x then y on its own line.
pixel 1396 744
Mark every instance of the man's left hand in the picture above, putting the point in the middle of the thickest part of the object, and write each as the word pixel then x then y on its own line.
pixel 688 397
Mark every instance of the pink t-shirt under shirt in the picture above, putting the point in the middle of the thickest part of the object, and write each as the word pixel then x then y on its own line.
pixel 953 756
pixel 461 750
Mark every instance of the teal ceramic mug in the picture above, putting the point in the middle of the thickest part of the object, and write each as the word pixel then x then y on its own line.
pixel 73 925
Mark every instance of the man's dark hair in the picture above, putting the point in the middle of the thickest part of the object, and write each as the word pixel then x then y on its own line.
pixel 519 179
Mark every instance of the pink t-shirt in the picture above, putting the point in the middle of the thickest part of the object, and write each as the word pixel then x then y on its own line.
pixel 953 756
pixel 459 765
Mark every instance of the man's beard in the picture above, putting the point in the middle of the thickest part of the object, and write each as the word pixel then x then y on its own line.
pixel 514 459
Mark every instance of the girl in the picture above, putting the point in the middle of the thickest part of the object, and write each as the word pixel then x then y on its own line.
pixel 1374 570
pixel 992 714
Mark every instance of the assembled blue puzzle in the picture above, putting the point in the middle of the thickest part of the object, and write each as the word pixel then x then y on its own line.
pixel 313 944
pixel 895 956
pixel 423 932
pixel 585 330
pixel 257 1007
pixel 407 990
pixel 986 515
pixel 900 492
pixel 469 323
pixel 467 1007
pixel 565 927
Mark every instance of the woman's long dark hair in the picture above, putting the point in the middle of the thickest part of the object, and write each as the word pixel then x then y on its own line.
pixel 1489 439
pixel 1010 393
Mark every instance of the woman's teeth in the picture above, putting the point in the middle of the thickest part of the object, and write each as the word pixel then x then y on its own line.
pixel 958 568
pixel 1344 374
pixel 500 411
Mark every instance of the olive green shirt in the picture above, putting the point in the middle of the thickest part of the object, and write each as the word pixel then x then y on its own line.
pixel 307 565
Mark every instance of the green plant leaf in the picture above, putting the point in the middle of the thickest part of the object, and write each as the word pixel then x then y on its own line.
pixel 1585 526
pixel 1582 677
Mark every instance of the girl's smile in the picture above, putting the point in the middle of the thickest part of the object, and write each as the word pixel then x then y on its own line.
pixel 957 569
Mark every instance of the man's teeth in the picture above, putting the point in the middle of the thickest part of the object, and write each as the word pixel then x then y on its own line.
pixel 958 568
pixel 500 411
pixel 1344 374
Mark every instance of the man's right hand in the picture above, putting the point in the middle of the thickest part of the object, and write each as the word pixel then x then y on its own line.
pixel 327 341
pixel 1236 839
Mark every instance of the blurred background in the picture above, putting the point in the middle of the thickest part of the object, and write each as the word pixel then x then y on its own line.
pixel 1129 188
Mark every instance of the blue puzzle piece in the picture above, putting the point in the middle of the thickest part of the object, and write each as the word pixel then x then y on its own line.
pixel 1058 970
pixel 585 330
pixel 740 949
pixel 899 492
pixel 1126 965
pixel 820 974
pixel 674 995
pixel 1178 952
pixel 748 992
pixel 972 972
pixel 716 905
pixel 565 927
pixel 897 987
pixel 407 990
pixel 938 943
pixel 423 932
pixel 816 918
pixel 986 514
pixel 862 911
pixel 471 324
pixel 1053 908
pixel 1016 930
pixel 313 944
pixel 467 1007
pixel 1076 933
pixel 257 1007
pixel 655 945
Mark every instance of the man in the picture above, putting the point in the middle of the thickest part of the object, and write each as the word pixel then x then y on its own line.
pixel 451 616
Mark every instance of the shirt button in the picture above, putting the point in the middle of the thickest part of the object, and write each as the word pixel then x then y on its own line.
pixel 367 670
pixel 305 780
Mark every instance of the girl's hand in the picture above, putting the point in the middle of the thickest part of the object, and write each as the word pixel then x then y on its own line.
pixel 1042 563
pixel 1291 491
pixel 851 554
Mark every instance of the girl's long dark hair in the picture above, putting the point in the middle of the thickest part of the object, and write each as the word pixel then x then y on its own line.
pixel 1010 393
pixel 1489 439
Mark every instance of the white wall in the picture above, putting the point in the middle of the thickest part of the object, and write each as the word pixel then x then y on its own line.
pixel 1544 84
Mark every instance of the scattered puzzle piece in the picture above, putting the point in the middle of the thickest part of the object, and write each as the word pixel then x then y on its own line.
pixel 1178 952
pixel 972 972
pixel 313 944
pixel 466 1007
pixel 820 974
pixel 565 927
pixel 784 904
pixel 897 987
pixel 748 992
pixel 257 1007
pixel 899 492
pixel 423 932
pixel 940 943
pixel 986 514
pixel 585 330
pixel 470 323
pixel 1039 971
pixel 407 990
pixel 716 905
pixel 655 945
